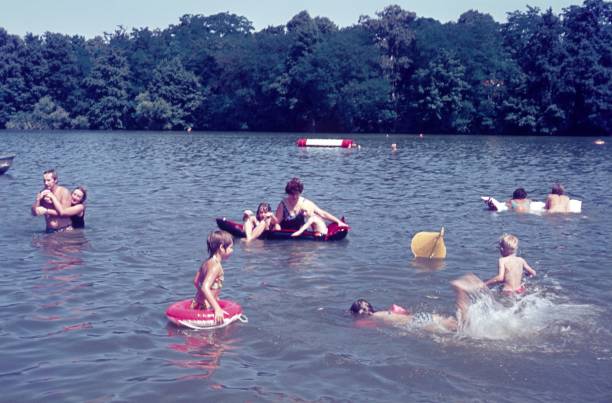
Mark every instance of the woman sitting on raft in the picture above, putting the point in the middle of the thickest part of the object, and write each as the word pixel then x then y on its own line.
pixel 76 211
pixel 255 224
pixel 293 210
pixel 557 201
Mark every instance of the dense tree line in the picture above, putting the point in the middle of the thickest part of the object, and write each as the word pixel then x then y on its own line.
pixel 538 73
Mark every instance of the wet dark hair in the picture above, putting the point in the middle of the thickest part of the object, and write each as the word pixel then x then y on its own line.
pixel 265 206
pixel 52 172
pixel 216 239
pixel 557 189
pixel 519 193
pixel 294 186
pixel 362 307
pixel 84 191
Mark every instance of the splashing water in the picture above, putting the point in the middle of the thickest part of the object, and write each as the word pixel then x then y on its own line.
pixel 532 315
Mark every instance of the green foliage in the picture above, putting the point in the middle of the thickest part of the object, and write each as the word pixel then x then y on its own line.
pixel 173 96
pixel 538 73
pixel 587 69
pixel 438 97
pixel 46 115
pixel 152 114
pixel 12 84
pixel 106 88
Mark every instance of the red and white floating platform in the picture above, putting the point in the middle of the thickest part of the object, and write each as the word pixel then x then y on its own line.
pixel 344 143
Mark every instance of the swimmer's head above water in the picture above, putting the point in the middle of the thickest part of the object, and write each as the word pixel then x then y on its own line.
pixel 519 194
pixel 508 244
pixel 558 189
pixel 362 307
pixel 262 209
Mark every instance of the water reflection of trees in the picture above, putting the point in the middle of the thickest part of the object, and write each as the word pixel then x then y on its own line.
pixel 203 349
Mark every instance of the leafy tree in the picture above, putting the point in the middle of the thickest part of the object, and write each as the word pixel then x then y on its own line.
pixel 179 89
pixel 393 33
pixel 46 115
pixel 106 88
pixel 34 71
pixel 145 49
pixel 152 114
pixel 439 91
pixel 64 72
pixel 534 41
pixel 365 106
pixel 196 37
pixel 587 69
pixel 12 84
pixel 345 59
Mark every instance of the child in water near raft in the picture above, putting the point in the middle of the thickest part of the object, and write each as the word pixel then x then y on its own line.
pixel 255 224
pixel 511 267
pixel 209 278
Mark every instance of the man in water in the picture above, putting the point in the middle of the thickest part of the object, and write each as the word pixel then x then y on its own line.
pixel 42 204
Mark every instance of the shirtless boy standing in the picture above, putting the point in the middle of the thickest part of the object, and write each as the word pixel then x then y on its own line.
pixel 511 266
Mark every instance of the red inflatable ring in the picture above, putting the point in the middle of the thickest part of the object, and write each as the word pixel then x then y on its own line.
pixel 180 313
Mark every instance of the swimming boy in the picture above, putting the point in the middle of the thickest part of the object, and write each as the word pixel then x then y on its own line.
pixel 511 267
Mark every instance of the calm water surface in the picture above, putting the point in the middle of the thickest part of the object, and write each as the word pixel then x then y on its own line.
pixel 82 314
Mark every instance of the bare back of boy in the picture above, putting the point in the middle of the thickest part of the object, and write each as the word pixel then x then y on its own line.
pixel 512 267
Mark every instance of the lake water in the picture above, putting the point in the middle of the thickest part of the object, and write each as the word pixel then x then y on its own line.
pixel 82 314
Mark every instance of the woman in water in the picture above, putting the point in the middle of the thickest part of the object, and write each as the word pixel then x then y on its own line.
pixel 76 211
pixel 519 202
pixel 292 210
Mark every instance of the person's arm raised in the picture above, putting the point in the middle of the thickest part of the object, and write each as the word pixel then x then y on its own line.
pixel 36 206
pixel 66 211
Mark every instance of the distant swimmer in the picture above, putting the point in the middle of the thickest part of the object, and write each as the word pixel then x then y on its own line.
pixel 511 267
pixel 557 201
pixel 421 135
pixel 189 130
pixel 393 147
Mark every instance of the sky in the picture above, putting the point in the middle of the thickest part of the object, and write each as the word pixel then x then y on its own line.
pixel 90 18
